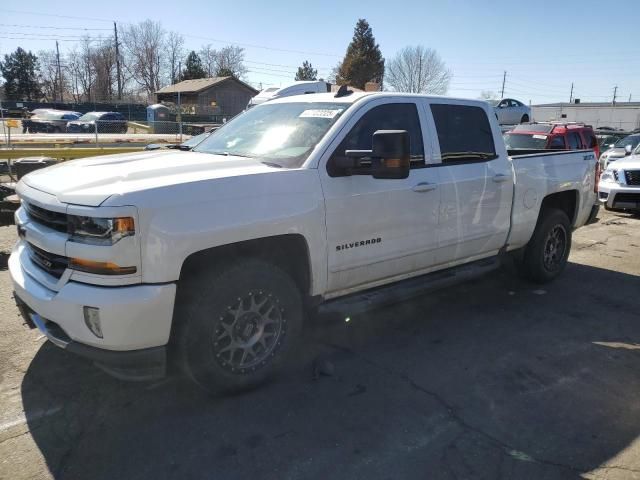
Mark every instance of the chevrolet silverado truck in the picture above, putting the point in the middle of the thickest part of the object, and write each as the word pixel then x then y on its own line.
pixel 213 258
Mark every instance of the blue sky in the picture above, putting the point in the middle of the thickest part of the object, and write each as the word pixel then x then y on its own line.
pixel 543 46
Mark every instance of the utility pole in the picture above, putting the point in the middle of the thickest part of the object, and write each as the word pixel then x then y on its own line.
pixel 115 34
pixel 59 71
pixel 179 117
pixel 571 94
pixel 629 98
pixel 615 92
pixel 504 78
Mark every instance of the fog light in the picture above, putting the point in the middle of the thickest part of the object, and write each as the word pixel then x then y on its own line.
pixel 92 319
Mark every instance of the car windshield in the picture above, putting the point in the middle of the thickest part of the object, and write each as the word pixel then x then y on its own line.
pixel 87 117
pixel 632 140
pixel 280 133
pixel 525 140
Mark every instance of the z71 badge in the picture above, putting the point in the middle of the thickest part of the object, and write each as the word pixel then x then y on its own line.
pixel 361 243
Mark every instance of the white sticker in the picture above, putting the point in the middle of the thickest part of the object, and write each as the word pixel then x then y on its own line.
pixel 320 113
pixel 540 137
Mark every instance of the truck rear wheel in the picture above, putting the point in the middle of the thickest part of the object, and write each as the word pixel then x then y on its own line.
pixel 546 254
pixel 238 325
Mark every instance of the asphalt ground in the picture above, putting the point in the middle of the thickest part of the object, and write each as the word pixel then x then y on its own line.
pixel 496 378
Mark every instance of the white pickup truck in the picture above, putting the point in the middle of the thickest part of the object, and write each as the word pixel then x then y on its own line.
pixel 213 258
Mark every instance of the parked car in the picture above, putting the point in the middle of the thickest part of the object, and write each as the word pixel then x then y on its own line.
pixel 552 136
pixel 51 121
pixel 510 112
pixel 314 202
pixel 619 187
pixel 620 149
pixel 300 87
pixel 105 122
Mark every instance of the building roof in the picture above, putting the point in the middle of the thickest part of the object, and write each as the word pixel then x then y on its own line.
pixel 589 104
pixel 197 85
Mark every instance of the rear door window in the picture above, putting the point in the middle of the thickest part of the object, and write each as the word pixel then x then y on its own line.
pixel 464 133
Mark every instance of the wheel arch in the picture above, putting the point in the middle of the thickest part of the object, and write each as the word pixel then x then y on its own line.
pixel 566 201
pixel 288 251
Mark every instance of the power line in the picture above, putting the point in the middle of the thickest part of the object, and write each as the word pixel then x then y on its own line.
pixel 51 28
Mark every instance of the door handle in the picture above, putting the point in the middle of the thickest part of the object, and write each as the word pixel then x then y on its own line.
pixel 500 177
pixel 424 187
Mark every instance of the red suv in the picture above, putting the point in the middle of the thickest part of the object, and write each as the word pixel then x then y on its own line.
pixel 552 136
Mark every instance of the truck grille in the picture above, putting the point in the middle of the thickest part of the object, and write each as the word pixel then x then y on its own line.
pixel 48 218
pixel 632 177
pixel 53 264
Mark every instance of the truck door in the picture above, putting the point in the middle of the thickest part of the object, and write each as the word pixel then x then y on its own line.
pixel 378 229
pixel 476 183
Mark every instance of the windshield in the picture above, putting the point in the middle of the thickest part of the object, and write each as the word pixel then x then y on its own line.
pixel 87 117
pixel 193 141
pixel 523 140
pixel 632 140
pixel 281 133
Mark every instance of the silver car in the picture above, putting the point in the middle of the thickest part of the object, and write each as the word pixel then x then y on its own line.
pixel 510 111
pixel 622 148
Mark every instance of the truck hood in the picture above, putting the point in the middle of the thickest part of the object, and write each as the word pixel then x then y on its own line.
pixel 631 162
pixel 93 180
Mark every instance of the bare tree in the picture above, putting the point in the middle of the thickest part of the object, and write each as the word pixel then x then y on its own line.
pixel 175 51
pixel 418 70
pixel 103 66
pixel 144 44
pixel 209 58
pixel 49 74
pixel 229 62
pixel 489 95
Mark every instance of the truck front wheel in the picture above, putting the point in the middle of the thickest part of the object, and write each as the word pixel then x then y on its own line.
pixel 546 254
pixel 238 324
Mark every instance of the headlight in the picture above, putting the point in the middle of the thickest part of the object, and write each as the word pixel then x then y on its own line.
pixel 609 175
pixel 99 231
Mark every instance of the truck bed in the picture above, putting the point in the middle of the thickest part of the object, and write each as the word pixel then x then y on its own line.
pixel 540 174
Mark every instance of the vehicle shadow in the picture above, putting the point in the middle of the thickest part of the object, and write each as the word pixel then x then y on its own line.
pixel 493 378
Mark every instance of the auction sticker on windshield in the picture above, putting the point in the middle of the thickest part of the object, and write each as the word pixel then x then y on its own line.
pixel 320 113
pixel 540 137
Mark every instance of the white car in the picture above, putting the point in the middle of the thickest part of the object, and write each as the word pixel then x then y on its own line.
pixel 212 257
pixel 511 112
pixel 619 187
pixel 300 87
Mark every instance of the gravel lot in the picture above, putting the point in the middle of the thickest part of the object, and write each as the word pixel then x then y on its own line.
pixel 496 378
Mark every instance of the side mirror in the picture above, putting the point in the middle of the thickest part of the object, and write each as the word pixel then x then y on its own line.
pixel 628 149
pixel 391 154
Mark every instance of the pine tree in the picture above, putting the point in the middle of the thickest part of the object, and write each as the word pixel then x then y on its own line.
pixel 193 67
pixel 306 72
pixel 20 71
pixel 363 61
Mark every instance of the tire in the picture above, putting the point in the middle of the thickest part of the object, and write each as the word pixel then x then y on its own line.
pixel 524 119
pixel 546 254
pixel 237 305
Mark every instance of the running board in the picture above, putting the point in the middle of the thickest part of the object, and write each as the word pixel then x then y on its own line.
pixel 404 290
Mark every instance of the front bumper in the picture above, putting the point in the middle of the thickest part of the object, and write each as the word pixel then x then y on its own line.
pixel 135 320
pixel 619 197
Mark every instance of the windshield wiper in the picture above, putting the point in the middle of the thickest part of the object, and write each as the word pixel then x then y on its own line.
pixel 228 154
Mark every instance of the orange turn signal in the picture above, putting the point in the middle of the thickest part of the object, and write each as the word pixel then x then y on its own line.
pixel 100 268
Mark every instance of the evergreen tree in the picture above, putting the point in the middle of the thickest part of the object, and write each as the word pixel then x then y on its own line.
pixel 20 74
pixel 306 72
pixel 363 61
pixel 193 67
